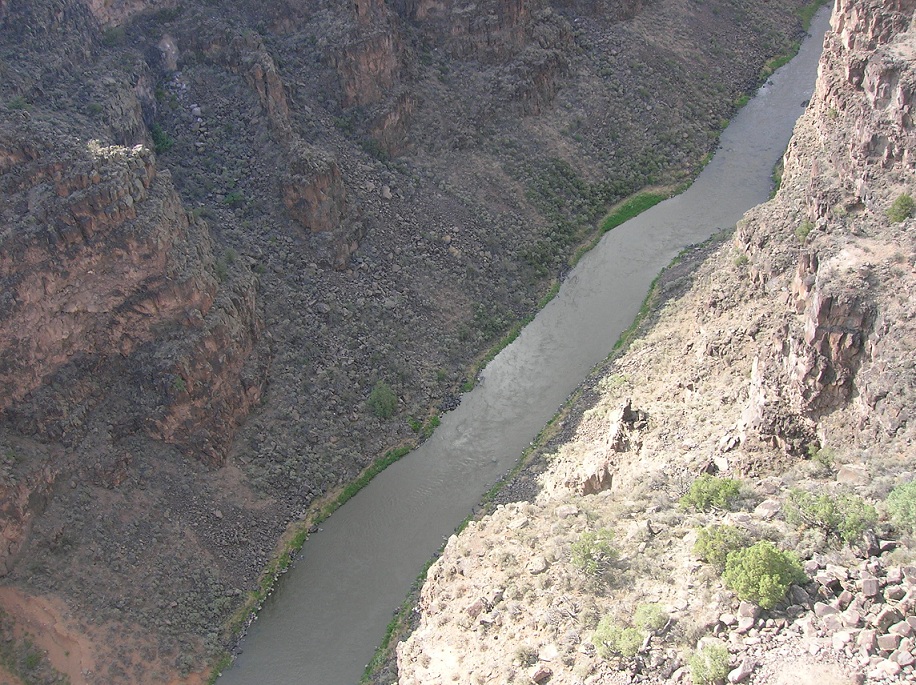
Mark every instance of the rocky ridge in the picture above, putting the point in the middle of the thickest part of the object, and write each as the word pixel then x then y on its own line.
pixel 783 360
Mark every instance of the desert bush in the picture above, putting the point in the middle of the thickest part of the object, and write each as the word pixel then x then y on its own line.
pixel 803 229
pixel 711 492
pixel 901 208
pixel 162 141
pixel 901 505
pixel 19 103
pixel 822 461
pixel 526 656
pixel 593 554
pixel 843 516
pixel 382 400
pixel 709 665
pixel 715 542
pixel 762 574
pixel 650 617
pixel 612 639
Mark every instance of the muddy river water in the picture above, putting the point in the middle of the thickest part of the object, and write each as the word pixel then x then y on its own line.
pixel 330 611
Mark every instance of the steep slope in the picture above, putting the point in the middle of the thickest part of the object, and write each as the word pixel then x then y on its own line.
pixel 223 224
pixel 784 360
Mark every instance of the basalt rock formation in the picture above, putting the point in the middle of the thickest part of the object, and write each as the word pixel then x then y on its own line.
pixel 783 360
pixel 222 224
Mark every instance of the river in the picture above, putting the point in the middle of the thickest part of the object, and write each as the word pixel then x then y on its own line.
pixel 329 613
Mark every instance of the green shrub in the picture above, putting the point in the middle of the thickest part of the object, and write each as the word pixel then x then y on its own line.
pixel 593 554
pixel 221 269
pixel 650 617
pixel 804 228
pixel 19 102
pixel 113 36
pixel 432 423
pixel 234 199
pixel 715 542
pixel 611 639
pixel 823 459
pixel 762 574
pixel 709 666
pixel 777 176
pixel 844 516
pixel 382 400
pixel 901 505
pixel 711 492
pixel 162 141
pixel 901 209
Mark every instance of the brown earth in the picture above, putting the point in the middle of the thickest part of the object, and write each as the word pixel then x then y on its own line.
pixel 222 225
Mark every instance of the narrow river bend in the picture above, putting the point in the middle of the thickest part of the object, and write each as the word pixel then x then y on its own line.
pixel 329 613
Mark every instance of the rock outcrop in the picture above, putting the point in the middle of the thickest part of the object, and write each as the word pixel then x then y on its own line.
pixel 87 264
pixel 99 259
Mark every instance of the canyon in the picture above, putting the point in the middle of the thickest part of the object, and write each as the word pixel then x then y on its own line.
pixel 224 225
pixel 779 356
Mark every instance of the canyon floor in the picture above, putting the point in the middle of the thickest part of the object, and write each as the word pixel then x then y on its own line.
pixel 779 356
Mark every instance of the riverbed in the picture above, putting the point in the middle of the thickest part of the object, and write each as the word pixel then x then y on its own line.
pixel 329 613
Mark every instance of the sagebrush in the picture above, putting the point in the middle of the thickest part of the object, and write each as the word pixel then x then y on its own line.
pixel 762 574
pixel 711 492
pixel 593 554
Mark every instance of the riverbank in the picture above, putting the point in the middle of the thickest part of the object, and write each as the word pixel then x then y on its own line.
pixel 520 484
pixel 732 384
pixel 291 543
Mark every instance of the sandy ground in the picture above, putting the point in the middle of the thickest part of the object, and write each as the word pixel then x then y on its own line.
pixel 45 620
pixel 49 624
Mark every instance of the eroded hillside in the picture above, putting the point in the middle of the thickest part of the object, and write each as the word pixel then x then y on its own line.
pixel 783 361
pixel 222 225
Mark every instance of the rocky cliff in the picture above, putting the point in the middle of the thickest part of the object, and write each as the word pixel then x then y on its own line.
pixel 222 225
pixel 783 361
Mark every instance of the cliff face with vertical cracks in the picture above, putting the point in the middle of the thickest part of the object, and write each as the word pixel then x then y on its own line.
pixel 863 97
pixel 80 273
pixel 99 258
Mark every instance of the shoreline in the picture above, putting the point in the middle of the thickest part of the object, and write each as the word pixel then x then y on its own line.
pixel 292 540
pixel 668 283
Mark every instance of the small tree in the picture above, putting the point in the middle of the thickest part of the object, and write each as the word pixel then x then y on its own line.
pixel 709 666
pixel 843 516
pixel 382 400
pixel 711 492
pixel 901 505
pixel 762 574
pixel 714 543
